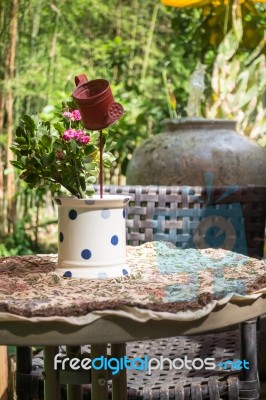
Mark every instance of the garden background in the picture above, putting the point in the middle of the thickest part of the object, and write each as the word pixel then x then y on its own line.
pixel 148 52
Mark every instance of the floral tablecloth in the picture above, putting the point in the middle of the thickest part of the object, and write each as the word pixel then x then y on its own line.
pixel 163 279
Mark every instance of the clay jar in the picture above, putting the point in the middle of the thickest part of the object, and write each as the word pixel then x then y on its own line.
pixel 191 147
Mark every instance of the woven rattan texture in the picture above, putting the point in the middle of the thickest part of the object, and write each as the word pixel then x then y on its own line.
pixel 181 383
pixel 171 213
pixel 221 347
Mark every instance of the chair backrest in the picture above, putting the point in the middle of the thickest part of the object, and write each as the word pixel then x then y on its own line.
pixel 196 217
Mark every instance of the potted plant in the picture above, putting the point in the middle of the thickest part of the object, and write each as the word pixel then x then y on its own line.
pixel 65 154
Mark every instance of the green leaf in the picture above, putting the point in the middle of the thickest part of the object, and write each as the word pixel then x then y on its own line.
pixel 20 131
pixel 45 161
pixel 17 164
pixel 21 140
pixel 51 157
pixel 46 140
pixel 82 182
pixel 94 136
pixel 248 96
pixel 89 149
pixel 15 149
pixel 24 160
pixel 29 123
pixel 34 141
pixel 91 179
pixel 31 179
pixel 59 127
pixel 37 159
pixel 90 190
pixel 73 146
pixel 58 145
pixel 108 158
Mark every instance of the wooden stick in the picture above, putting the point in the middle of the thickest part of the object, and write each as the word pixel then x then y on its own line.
pixel 51 381
pixel 99 378
pixel 101 164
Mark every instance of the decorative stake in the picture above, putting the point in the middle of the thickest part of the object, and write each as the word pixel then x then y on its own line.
pixel 97 108
pixel 101 164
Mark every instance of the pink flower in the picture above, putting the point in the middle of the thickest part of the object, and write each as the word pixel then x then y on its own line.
pixel 79 135
pixel 84 139
pixel 76 115
pixel 67 114
pixel 69 134
pixel 73 115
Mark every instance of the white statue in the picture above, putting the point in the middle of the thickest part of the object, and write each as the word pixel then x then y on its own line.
pixel 196 90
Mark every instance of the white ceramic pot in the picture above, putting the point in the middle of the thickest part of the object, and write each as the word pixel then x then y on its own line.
pixel 92 237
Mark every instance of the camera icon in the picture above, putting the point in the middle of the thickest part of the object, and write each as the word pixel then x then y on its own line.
pixel 218 226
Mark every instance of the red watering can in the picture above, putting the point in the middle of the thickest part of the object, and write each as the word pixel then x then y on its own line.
pixel 96 103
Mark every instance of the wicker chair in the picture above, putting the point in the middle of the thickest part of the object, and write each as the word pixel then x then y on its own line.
pixel 148 218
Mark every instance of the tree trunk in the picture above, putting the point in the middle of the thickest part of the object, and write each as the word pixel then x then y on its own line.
pixel 3 373
pixel 4 55
pixel 2 107
pixel 52 55
pixel 2 51
pixel 36 19
pixel 149 41
pixel 10 69
pixel 117 32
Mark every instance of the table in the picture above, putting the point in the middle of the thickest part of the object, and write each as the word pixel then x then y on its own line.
pixel 39 308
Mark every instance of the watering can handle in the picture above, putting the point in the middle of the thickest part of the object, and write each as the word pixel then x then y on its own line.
pixel 80 79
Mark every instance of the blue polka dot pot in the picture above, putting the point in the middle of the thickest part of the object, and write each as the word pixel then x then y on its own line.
pixel 92 237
